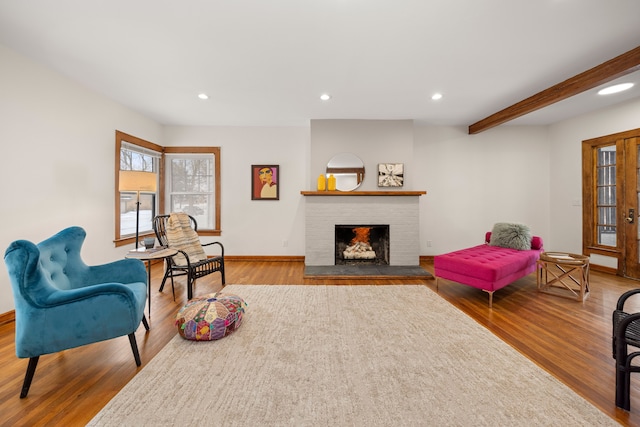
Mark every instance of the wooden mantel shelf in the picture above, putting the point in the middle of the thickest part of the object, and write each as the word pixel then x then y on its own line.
pixel 363 193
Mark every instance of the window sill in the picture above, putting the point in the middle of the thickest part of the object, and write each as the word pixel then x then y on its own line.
pixel 132 240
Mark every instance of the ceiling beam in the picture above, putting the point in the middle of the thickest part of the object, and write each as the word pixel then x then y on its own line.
pixel 619 66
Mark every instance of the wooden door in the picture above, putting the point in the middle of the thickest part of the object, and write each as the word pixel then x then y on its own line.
pixel 611 200
pixel 629 228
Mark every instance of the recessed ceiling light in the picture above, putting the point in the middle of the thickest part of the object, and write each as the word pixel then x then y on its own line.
pixel 436 96
pixel 325 97
pixel 203 96
pixel 615 88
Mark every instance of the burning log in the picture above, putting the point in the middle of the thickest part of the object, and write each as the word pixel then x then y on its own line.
pixel 359 250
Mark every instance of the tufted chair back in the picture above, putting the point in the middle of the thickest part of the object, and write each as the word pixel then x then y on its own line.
pixel 60 258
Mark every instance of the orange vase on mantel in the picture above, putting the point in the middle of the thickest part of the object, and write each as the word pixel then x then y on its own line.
pixel 322 183
pixel 331 183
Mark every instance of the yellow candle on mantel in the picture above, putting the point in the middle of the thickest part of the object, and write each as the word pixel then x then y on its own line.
pixel 322 183
pixel 332 183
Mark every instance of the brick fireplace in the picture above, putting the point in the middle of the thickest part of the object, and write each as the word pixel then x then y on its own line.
pixel 326 210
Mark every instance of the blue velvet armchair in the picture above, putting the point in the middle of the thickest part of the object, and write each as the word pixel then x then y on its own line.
pixel 61 303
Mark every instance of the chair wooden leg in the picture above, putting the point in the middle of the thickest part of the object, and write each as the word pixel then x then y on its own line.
pixel 627 391
pixel 621 359
pixel 168 274
pixel 623 386
pixel 31 370
pixel 145 323
pixel 190 281
pixel 134 347
pixel 620 387
pixel 164 279
pixel 624 368
pixel 173 288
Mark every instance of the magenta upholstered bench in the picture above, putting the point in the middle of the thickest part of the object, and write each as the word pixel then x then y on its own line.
pixel 487 267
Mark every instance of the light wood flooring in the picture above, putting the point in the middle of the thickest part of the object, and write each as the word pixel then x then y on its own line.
pixel 571 340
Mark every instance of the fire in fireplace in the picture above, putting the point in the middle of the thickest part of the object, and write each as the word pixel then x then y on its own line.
pixel 358 244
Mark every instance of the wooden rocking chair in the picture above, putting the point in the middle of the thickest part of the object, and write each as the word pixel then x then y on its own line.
pixel 191 261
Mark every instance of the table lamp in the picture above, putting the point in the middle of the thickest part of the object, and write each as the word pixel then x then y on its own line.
pixel 137 181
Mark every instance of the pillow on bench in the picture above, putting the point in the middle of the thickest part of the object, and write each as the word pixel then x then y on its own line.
pixel 511 235
pixel 536 241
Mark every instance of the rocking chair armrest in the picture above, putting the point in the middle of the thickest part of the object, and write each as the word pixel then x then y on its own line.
pixel 186 257
pixel 620 332
pixel 623 298
pixel 190 264
pixel 215 243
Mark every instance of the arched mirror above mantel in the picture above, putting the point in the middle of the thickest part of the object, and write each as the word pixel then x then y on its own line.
pixel 348 170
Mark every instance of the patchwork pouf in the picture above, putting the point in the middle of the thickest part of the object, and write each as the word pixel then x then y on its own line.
pixel 210 317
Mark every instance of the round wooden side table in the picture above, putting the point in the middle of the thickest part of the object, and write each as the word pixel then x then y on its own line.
pixel 564 274
pixel 149 255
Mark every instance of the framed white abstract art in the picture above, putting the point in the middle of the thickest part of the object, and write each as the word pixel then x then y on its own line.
pixel 390 174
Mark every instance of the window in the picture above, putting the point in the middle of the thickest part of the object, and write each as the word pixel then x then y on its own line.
pixel 134 158
pixel 191 184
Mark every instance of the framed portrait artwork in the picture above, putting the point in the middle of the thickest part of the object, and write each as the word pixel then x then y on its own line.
pixel 265 182
pixel 390 174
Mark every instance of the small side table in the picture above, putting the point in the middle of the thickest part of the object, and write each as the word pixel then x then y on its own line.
pixel 149 255
pixel 569 274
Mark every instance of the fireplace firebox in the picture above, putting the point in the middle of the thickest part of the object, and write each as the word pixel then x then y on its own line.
pixel 362 244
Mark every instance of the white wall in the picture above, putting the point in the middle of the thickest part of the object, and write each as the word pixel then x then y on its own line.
pixel 474 181
pixel 373 141
pixel 256 227
pixel 58 160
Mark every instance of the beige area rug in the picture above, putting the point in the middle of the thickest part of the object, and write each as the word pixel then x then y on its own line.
pixel 347 356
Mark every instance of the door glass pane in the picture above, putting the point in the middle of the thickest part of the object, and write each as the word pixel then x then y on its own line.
pixel 606 156
pixel 606 175
pixel 606 196
pixel 606 236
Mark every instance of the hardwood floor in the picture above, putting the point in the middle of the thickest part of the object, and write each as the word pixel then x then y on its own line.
pixel 571 340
